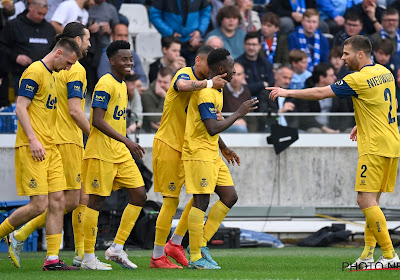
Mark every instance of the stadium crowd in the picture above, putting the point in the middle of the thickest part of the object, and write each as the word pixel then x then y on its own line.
pixel 301 40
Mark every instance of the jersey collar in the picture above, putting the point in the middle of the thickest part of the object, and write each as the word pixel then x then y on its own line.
pixel 115 77
pixel 46 67
pixel 194 73
pixel 373 64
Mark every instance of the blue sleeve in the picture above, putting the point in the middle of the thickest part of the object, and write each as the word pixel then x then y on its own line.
pixel 207 111
pixel 100 100
pixel 205 16
pixel 28 88
pixel 75 89
pixel 342 89
pixel 155 16
pixel 293 41
pixel 324 49
pixel 183 76
pixel 139 68
pixel 327 8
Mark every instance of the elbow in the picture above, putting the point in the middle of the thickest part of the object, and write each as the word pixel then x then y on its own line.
pixel 212 131
pixel 96 123
pixel 73 114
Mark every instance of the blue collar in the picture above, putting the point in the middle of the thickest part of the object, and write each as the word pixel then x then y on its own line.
pixel 373 64
pixel 120 81
pixel 194 73
pixel 51 72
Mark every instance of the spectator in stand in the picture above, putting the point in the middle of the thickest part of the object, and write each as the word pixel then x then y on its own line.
pixel 77 12
pixel 235 93
pixel 291 12
pixel 258 70
pixel 228 19
pixel 215 42
pixel 186 20
pixel 27 38
pixel 383 54
pixel 274 43
pixel 390 29
pixel 53 5
pixel 335 58
pixel 120 32
pixel 250 21
pixel 153 98
pixel 309 39
pixel 323 75
pixel 283 78
pixel 171 48
pixel 6 11
pixel 299 63
pixel 371 15
pixel 352 26
pixel 332 12
pixel 102 18
pixel 133 121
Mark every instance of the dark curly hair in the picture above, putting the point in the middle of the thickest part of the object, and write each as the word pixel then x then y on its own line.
pixel 216 57
pixel 113 48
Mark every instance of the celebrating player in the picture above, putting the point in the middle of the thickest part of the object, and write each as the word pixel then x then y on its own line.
pixel 205 172
pixel 108 164
pixel 38 164
pixel 71 121
pixel 372 87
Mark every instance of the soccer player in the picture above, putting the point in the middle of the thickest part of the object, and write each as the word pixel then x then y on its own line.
pixel 70 122
pixel 38 164
pixel 167 164
pixel 205 172
pixel 108 164
pixel 372 88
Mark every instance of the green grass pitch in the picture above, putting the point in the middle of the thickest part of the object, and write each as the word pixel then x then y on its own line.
pixel 249 263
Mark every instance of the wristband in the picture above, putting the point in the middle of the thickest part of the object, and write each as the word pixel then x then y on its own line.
pixel 210 83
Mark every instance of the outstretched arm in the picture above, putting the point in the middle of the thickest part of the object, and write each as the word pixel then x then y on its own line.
pixel 315 93
pixel 183 85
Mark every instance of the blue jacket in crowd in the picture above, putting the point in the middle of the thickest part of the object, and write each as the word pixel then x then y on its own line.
pixel 183 17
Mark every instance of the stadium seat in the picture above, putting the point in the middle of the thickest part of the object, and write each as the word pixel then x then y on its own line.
pixel 138 18
pixel 148 46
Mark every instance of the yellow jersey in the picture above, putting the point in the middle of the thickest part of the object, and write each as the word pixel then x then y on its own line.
pixel 198 143
pixel 374 97
pixel 111 95
pixel 173 120
pixel 69 84
pixel 37 83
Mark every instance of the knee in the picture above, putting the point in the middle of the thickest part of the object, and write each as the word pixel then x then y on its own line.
pixel 39 206
pixel 71 206
pixel 95 202
pixel 230 200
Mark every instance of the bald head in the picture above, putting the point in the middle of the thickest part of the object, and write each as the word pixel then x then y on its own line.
pixel 215 42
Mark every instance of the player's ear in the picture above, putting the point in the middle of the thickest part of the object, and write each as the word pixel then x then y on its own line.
pixel 59 53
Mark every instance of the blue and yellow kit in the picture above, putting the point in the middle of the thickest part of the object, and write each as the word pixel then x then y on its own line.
pixel 69 138
pixel 108 163
pixel 38 177
pixel 375 109
pixel 204 168
pixel 167 146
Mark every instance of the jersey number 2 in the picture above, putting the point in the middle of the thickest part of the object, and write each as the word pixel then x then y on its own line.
pixel 386 93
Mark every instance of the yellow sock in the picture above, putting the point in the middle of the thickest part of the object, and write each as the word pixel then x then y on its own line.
pixel 163 224
pixel 53 244
pixel 195 224
pixel 23 233
pixel 90 229
pixel 377 224
pixel 215 217
pixel 5 228
pixel 182 226
pixel 77 224
pixel 128 219
pixel 370 243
